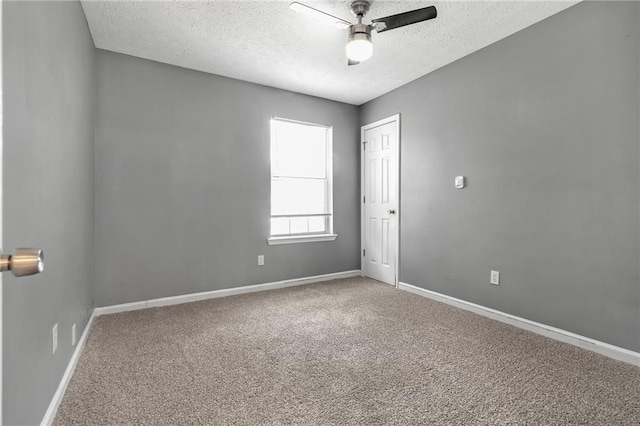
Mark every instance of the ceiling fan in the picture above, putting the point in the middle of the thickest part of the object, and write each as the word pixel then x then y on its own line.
pixel 359 47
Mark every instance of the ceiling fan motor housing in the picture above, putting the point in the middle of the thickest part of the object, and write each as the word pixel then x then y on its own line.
pixel 360 32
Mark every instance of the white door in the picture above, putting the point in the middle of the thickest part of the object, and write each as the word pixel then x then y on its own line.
pixel 380 199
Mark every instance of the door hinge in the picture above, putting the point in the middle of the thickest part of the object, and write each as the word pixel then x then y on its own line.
pixel 364 253
pixel 364 145
pixel 364 199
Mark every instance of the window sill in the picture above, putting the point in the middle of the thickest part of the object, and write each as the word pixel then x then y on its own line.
pixel 272 241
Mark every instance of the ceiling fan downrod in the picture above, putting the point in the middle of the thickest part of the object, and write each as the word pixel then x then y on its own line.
pixel 359 8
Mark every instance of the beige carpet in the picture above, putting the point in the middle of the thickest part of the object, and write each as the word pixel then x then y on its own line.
pixel 342 352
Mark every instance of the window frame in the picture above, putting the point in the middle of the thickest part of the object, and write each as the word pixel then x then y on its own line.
pixel 306 237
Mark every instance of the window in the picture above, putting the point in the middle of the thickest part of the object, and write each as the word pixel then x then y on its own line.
pixel 301 182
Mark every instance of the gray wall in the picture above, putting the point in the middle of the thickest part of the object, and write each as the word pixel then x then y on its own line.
pixel 49 94
pixel 544 125
pixel 182 182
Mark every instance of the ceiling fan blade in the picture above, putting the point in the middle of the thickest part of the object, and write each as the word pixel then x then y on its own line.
pixel 351 62
pixel 319 15
pixel 406 18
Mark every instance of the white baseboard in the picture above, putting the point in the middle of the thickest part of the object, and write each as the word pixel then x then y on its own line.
pixel 602 348
pixel 47 420
pixel 195 297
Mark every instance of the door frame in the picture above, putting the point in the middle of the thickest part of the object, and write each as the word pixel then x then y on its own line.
pixel 390 119
pixel 1 196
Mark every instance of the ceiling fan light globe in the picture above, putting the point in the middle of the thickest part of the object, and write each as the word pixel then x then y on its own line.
pixel 359 49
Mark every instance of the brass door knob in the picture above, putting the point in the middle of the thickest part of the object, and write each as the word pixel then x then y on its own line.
pixel 23 262
pixel 391 212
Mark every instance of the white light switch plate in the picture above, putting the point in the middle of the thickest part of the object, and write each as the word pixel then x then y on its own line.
pixel 54 338
pixel 261 260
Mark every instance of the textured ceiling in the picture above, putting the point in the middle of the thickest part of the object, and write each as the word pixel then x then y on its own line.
pixel 265 42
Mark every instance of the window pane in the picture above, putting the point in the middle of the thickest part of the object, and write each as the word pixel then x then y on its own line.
pixel 298 196
pixel 318 224
pixel 300 180
pixel 299 225
pixel 279 226
pixel 299 150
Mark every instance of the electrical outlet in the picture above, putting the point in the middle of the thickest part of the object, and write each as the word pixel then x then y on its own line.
pixel 73 335
pixel 495 278
pixel 54 338
pixel 261 260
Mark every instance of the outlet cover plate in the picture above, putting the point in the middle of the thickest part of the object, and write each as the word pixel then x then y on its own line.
pixel 495 278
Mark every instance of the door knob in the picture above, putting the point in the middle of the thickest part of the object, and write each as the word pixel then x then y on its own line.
pixel 392 212
pixel 23 262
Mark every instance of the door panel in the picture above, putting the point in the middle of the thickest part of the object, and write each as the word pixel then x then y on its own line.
pixel 385 242
pixel 380 201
